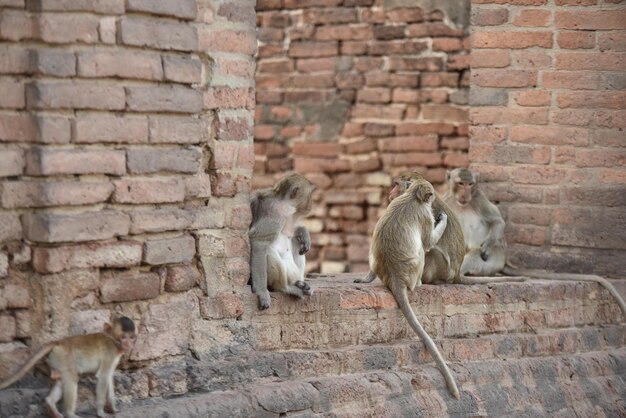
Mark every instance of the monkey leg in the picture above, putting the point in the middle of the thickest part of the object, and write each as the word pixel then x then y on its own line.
pixel 300 260
pixel 475 265
pixel 369 278
pixel 278 278
pixel 259 270
pixel 101 390
pixel 110 406
pixel 53 398
pixel 70 392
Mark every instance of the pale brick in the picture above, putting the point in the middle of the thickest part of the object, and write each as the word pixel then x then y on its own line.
pixel 13 94
pixel 90 226
pixel 166 98
pixel 14 59
pixel 17 297
pixel 160 220
pixel 96 6
pixel 229 98
pixel 182 69
pixel 177 130
pixel 16 25
pixel 22 322
pixel 148 191
pixel 107 30
pixel 169 250
pixel 488 97
pixel 115 254
pixel 65 28
pixel 185 9
pixel 89 322
pixel 58 63
pixel 198 186
pixel 129 286
pixel 158 33
pixel 51 161
pixel 8 329
pixel 97 127
pixel 233 41
pixel 28 194
pixel 11 162
pixel 164 160
pixel 182 278
pixel 122 64
pixel 56 95
pixel 52 129
pixel 17 127
pixel 10 227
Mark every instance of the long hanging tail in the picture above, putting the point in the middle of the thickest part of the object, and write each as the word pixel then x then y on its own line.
pixel 400 294
pixel 539 274
pixel 489 279
pixel 43 351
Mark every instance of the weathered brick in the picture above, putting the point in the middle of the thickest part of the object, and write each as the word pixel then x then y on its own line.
pixel 129 286
pixel 576 40
pixel 57 95
pixel 513 40
pixel 64 28
pixel 222 305
pixel 90 226
pixel 166 98
pixel 158 33
pixel 573 80
pixel 233 128
pixel 177 130
pixel 114 254
pixel 589 20
pixel 533 98
pixel 593 100
pixel 612 41
pixel 233 41
pixel 17 127
pixel 169 250
pixel 229 98
pixel 444 113
pixel 590 61
pixel 182 278
pixel 488 97
pixel 52 129
pixel 532 18
pixel 13 94
pixel 409 143
pixel 489 17
pixel 26 194
pixel 10 227
pixel 504 78
pixel 107 29
pixel 490 59
pixel 137 64
pixel 8 329
pixel 51 161
pixel 96 6
pixel 148 191
pixel 182 70
pixel 56 63
pixel 330 15
pixel 313 49
pixel 11 162
pixel 14 59
pixel 16 25
pixel 107 128
pixel 167 160
pixel 493 115
pixel 185 9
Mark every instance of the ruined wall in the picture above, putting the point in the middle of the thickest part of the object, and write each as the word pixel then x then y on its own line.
pixel 351 93
pixel 548 119
pixel 125 164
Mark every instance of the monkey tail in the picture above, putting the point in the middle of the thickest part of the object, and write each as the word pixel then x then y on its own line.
pixel 489 279
pixel 545 275
pixel 400 294
pixel 43 351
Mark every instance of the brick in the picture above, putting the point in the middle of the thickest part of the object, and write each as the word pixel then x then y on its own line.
pixel 229 98
pixel 504 78
pixel 65 28
pixel 108 30
pixel 148 191
pixel 374 95
pixel 327 150
pixel 137 64
pixel 18 127
pixel 447 44
pixel 432 29
pixel 114 254
pixel 531 59
pixel 512 40
pixel 572 80
pixel 129 286
pixel 10 227
pixel 488 97
pixel 52 129
pixel 158 34
pixel 364 111
pixel 8 330
pixel 592 100
pixel 330 15
pixel 222 305
pixel 409 143
pixel 576 40
pixel 612 41
pixel 173 160
pixel 27 194
pixel 316 165
pixel 16 25
pixel 489 17
pixel 170 250
pixel 532 18
pixel 177 130
pixel 493 115
pixel 533 98
pixel 378 129
pixel 182 70
pixel 14 96
pixel 490 59
pixel 488 133
pixel 389 31
pixel 606 157
pixel 424 128
pixel 53 62
pixel 415 64
pixel 235 12
pixel 421 159
pixel 538 175
pixel 90 226
pixel 14 59
pixel 182 278
pixel 313 49
pixel 161 220
pixel 107 128
pixel 590 20
pixel 96 6
pixel 234 41
pixel 343 32
pixel 11 162
pixel 444 113
pixel 57 95
pixel 509 154
pixel 583 228
pixel 184 9
pixel 590 61
pixel 165 98
pixel 51 161
pixel 232 128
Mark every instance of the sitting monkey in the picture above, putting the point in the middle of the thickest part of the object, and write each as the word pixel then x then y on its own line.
pixel 70 357
pixel 277 242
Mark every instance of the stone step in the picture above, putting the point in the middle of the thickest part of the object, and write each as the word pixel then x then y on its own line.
pixel 581 384
pixel 341 313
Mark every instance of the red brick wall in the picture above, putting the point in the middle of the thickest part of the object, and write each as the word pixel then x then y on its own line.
pixel 351 93
pixel 125 164
pixel 548 117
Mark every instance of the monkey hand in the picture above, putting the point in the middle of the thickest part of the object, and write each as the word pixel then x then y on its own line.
pixel 303 240
pixel 304 286
pixel 485 249
pixel 441 218
pixel 264 299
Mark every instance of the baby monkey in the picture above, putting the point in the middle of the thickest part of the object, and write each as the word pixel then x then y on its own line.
pixel 402 237
pixel 70 357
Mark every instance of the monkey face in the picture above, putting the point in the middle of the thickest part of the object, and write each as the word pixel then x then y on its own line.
pixel 127 341
pixel 463 191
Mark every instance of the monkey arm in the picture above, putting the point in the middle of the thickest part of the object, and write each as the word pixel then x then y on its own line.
pixel 301 241
pixel 437 232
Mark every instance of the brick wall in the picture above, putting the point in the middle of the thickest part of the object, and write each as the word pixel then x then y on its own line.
pixel 125 163
pixel 548 117
pixel 351 93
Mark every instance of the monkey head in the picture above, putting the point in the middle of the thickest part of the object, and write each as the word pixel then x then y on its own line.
pixel 122 330
pixel 297 189
pixel 402 182
pixel 461 183
pixel 423 191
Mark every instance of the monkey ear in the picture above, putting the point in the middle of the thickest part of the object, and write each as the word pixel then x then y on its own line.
pixel 428 197
pixel 108 328
pixel 294 193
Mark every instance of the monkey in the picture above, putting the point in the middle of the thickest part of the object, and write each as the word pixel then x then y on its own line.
pixel 402 237
pixel 70 357
pixel 278 244
pixel 483 231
